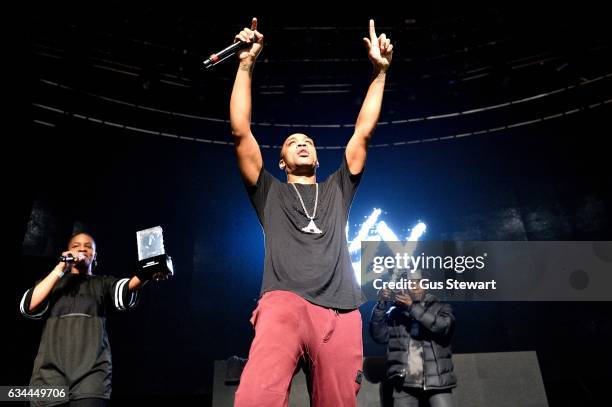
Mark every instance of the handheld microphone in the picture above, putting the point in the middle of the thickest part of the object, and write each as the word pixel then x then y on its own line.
pixel 71 259
pixel 222 55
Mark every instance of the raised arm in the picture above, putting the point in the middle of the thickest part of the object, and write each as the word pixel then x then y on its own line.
pixel 380 52
pixel 247 149
pixel 40 292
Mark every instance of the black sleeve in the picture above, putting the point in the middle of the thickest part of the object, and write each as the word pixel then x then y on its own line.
pixel 435 317
pixel 258 193
pixel 379 330
pixel 347 182
pixel 116 290
pixel 24 305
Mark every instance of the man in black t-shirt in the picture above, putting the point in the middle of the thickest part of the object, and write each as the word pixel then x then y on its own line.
pixel 74 349
pixel 308 309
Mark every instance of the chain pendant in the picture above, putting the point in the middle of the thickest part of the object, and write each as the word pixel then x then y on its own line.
pixel 311 228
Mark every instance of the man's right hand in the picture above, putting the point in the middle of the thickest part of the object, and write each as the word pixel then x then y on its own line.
pixel 63 266
pixel 253 37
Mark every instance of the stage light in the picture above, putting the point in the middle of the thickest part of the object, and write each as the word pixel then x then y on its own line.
pixel 373 230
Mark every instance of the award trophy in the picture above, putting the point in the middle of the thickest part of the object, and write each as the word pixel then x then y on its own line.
pixel 153 262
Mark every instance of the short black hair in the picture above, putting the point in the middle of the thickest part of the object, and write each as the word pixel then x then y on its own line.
pixel 285 140
pixel 81 233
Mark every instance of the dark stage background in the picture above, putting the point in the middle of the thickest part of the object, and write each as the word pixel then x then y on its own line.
pixel 125 131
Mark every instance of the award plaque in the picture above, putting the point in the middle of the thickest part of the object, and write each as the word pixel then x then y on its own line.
pixel 153 262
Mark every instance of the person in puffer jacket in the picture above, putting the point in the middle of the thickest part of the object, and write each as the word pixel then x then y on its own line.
pixel 417 329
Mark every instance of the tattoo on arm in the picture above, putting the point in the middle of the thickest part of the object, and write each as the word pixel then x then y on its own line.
pixel 379 77
pixel 246 67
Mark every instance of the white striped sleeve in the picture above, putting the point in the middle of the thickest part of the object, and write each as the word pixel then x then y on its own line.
pixel 122 297
pixel 24 306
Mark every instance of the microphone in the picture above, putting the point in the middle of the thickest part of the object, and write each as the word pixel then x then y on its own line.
pixel 71 259
pixel 222 55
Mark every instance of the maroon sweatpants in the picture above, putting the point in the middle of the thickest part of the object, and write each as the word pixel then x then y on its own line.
pixel 287 328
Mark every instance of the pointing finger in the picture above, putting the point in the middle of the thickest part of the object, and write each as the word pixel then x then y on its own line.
pixel 372 31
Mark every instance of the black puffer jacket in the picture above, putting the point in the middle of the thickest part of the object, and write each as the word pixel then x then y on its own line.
pixel 418 337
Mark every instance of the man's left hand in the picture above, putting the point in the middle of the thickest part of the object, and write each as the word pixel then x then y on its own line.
pixel 380 49
pixel 403 299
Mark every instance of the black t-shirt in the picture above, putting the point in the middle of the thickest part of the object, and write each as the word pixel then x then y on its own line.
pixel 316 266
pixel 74 348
